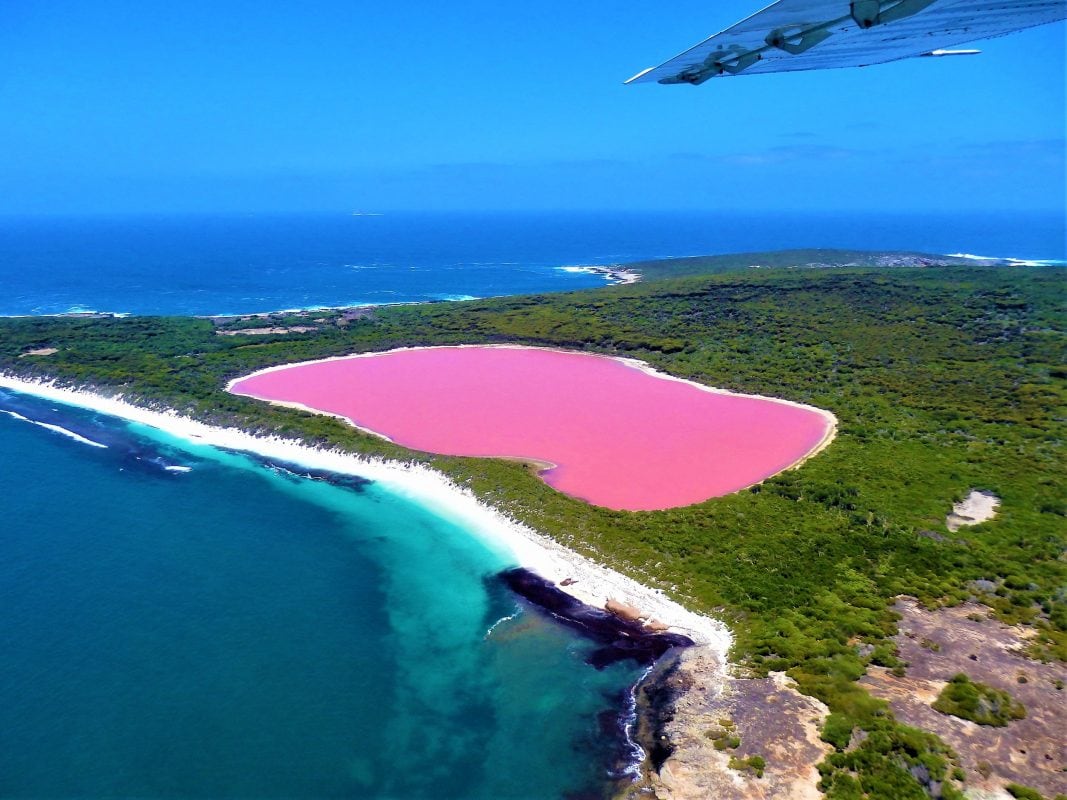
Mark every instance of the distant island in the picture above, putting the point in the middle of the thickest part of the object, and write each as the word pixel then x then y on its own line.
pixel 851 602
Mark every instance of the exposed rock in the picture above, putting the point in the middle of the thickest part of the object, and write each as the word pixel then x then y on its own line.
pixel 623 610
pixel 619 639
pixel 769 717
pixel 1030 751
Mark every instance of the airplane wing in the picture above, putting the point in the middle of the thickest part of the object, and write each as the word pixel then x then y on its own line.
pixel 792 35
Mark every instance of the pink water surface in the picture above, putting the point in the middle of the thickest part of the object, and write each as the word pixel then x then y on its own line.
pixel 618 436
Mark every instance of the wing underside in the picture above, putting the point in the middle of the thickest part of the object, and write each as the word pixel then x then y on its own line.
pixel 792 35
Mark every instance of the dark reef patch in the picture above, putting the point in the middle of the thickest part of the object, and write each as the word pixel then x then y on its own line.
pixel 618 639
pixel 298 472
pixel 656 696
pixel 634 731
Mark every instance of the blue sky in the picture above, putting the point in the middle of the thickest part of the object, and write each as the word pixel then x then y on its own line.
pixel 248 106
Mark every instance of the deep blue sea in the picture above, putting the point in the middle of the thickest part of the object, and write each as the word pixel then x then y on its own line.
pixel 230 629
pixel 231 264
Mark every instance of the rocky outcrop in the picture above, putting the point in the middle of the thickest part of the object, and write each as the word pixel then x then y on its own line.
pixel 939 644
pixel 693 722
pixel 619 637
pixel 622 610
pixel 975 508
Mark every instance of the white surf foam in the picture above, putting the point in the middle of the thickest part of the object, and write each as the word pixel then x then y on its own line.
pixel 1015 262
pixel 56 429
pixel 454 298
pixel 499 622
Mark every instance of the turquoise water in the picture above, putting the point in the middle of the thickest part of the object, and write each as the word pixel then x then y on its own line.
pixel 235 630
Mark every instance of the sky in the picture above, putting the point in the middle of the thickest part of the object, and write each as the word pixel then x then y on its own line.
pixel 164 107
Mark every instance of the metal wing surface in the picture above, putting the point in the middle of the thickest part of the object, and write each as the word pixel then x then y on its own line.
pixel 792 35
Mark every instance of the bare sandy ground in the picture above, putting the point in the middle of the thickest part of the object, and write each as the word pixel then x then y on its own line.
pixel 267 331
pixel 975 508
pixel 937 645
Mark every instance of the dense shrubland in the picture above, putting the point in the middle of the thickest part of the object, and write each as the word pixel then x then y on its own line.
pixel 978 703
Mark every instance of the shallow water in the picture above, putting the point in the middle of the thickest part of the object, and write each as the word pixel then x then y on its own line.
pixel 236 630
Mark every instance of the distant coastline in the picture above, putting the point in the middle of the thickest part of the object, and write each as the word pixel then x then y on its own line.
pixel 616 275
pixel 624 273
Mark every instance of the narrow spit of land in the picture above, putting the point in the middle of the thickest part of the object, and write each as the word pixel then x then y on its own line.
pixel 944 380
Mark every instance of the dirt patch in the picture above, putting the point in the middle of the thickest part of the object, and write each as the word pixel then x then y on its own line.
pixel 937 645
pixel 267 331
pixel 974 508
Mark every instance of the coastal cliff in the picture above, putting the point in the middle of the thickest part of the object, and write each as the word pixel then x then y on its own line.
pixel 709 734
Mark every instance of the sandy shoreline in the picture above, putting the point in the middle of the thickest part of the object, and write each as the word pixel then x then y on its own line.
pixel 593 584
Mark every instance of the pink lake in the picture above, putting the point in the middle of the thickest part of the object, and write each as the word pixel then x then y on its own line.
pixel 618 436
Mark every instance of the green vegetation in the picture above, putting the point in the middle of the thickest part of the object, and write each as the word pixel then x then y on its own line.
pixel 943 379
pixel 1026 793
pixel 893 761
pixel 728 742
pixel 977 702
pixel 753 764
pixel 725 735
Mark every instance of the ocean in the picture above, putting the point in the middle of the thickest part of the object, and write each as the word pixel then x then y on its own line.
pixel 182 621
pixel 238 265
